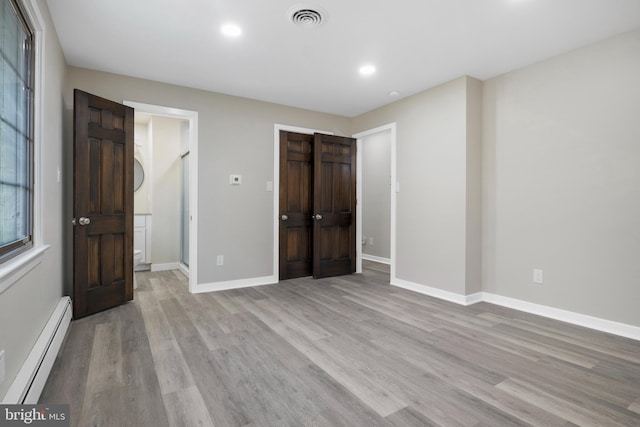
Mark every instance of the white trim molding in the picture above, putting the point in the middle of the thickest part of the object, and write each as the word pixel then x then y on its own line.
pixel 591 322
pixel 14 269
pixel 165 266
pixel 379 259
pixel 184 269
pixel 28 384
pixel 391 128
pixel 35 17
pixel 236 284
pixel 603 325
pixel 438 293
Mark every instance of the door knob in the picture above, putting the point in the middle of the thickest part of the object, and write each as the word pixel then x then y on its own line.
pixel 284 217
pixel 318 217
pixel 84 221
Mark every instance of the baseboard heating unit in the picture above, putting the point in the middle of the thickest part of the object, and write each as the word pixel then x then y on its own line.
pixel 31 378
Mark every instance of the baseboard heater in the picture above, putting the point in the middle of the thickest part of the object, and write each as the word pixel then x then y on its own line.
pixel 30 381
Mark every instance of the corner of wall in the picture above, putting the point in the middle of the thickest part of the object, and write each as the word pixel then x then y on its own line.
pixel 473 232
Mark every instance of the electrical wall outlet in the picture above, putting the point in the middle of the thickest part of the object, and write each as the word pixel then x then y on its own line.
pixel 370 241
pixel 1 366
pixel 364 240
pixel 537 276
pixel 220 260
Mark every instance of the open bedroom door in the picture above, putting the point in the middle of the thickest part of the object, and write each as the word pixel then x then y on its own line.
pixel 102 204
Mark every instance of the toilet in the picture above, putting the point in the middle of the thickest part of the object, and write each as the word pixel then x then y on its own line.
pixel 137 257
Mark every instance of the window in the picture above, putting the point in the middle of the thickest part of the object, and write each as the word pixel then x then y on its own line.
pixel 16 131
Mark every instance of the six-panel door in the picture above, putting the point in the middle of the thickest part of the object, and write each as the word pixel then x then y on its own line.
pixel 103 204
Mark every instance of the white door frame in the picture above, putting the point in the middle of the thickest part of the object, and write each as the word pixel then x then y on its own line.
pixel 276 188
pixel 192 118
pixel 393 189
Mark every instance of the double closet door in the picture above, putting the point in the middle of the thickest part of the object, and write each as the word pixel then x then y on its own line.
pixel 317 205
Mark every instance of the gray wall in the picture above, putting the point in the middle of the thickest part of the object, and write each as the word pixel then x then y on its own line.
pixel 432 212
pixel 473 242
pixel 26 306
pixel 562 181
pixel 376 196
pixel 235 137
pixel 559 168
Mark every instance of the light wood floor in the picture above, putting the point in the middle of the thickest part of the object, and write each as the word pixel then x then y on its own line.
pixel 348 351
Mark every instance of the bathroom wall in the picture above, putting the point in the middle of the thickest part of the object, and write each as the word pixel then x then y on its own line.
pixel 142 197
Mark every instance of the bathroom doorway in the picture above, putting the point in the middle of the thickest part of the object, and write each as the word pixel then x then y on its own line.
pixel 165 224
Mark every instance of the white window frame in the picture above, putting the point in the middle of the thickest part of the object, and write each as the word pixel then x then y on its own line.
pixel 15 268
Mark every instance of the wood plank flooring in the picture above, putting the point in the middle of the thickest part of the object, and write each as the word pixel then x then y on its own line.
pixel 346 351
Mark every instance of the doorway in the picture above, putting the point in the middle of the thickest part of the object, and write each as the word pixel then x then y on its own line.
pixel 316 200
pixel 187 223
pixel 385 137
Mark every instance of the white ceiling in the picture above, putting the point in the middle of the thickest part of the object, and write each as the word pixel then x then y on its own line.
pixel 414 44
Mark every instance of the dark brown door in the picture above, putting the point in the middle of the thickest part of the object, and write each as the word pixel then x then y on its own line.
pixel 296 179
pixel 103 204
pixel 334 205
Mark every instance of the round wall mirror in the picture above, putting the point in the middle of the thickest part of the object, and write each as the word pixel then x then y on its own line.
pixel 138 175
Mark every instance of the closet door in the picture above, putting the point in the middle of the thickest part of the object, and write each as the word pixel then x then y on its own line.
pixel 296 180
pixel 334 205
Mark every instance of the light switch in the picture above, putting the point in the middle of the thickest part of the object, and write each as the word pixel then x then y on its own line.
pixel 269 185
pixel 235 179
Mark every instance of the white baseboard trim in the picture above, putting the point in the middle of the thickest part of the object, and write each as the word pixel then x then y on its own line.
pixel 184 269
pixel 474 298
pixel 165 267
pixel 31 378
pixel 379 259
pixel 438 293
pixel 603 325
pixel 142 267
pixel 235 284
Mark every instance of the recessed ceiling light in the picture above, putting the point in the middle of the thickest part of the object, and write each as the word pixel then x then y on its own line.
pixel 367 70
pixel 394 93
pixel 231 30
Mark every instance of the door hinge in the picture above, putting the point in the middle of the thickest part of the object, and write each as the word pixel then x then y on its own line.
pixel 73 221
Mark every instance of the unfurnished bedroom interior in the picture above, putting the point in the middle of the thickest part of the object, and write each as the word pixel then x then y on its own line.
pixel 320 213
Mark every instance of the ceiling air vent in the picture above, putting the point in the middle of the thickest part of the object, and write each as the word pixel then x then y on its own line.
pixel 307 17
